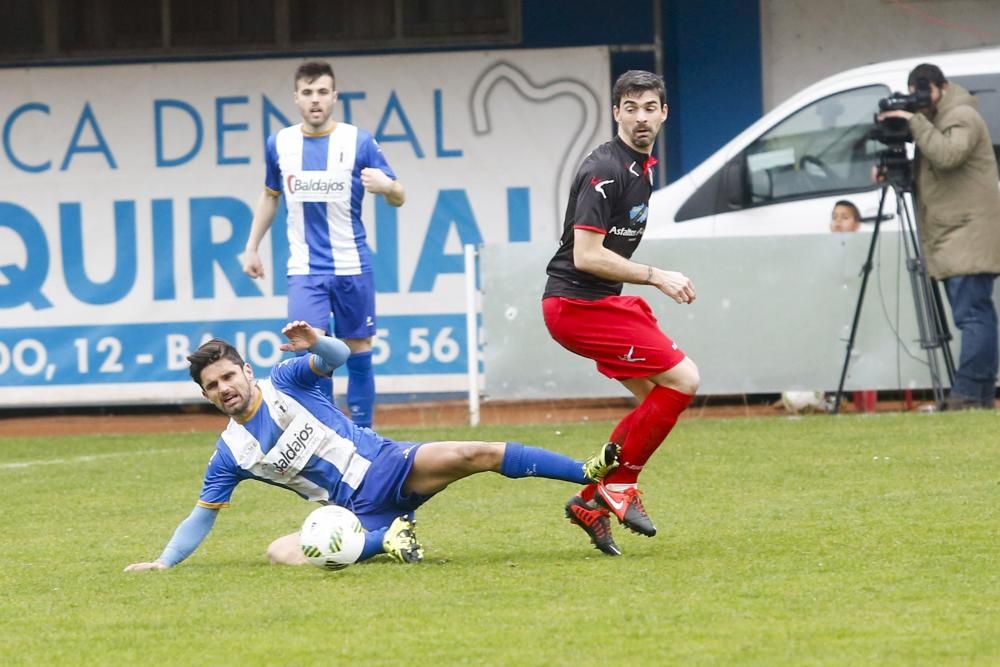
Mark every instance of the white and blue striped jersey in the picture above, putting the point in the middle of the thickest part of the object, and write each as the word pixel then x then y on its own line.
pixel 320 177
pixel 294 439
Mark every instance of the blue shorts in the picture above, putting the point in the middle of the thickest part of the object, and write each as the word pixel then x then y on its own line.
pixel 380 498
pixel 351 299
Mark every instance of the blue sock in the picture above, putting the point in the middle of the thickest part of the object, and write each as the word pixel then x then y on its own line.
pixel 526 461
pixel 361 388
pixel 373 543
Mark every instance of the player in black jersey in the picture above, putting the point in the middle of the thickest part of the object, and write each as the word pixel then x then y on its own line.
pixel 586 313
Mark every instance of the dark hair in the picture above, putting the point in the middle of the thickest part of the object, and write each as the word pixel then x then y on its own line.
pixel 638 81
pixel 850 205
pixel 210 352
pixel 932 73
pixel 312 70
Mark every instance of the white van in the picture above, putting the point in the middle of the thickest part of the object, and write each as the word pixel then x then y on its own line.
pixel 783 174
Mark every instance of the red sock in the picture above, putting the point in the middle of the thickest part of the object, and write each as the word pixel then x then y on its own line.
pixel 622 427
pixel 618 436
pixel 651 423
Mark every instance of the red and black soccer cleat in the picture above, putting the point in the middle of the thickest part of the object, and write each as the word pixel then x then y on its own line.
pixel 594 521
pixel 627 506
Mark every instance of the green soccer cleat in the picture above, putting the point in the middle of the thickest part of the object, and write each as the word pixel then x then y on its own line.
pixel 400 542
pixel 600 465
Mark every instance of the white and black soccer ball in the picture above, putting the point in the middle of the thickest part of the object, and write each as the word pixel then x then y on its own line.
pixel 802 402
pixel 332 537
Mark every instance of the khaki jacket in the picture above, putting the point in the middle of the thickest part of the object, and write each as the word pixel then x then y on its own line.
pixel 957 190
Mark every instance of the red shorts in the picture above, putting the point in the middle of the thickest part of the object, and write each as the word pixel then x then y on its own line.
pixel 620 333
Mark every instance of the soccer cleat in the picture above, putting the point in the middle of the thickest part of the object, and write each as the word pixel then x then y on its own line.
pixel 594 521
pixel 400 542
pixel 600 465
pixel 627 506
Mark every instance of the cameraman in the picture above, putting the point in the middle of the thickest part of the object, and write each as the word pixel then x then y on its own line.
pixel 958 201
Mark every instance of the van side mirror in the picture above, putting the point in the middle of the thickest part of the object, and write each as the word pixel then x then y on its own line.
pixel 721 193
pixel 732 192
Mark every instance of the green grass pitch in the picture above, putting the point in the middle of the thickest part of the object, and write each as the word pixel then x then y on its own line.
pixel 857 540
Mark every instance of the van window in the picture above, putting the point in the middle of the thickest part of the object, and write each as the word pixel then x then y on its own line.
pixel 823 148
pixel 986 88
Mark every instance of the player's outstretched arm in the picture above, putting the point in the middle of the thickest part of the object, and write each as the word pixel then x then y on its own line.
pixel 301 336
pixel 263 216
pixel 191 532
pixel 331 353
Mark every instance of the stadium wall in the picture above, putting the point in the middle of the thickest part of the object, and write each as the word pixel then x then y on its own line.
pixel 773 314
pixel 130 191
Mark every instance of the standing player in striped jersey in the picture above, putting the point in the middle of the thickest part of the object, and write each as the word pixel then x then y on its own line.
pixel 586 313
pixel 323 168
pixel 285 431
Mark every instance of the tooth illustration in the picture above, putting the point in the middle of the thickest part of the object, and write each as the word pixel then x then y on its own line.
pixel 583 138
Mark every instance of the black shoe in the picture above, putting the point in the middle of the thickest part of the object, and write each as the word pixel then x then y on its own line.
pixel 957 403
pixel 594 522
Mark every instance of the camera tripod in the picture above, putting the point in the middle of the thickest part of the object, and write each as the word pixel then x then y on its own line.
pixel 931 321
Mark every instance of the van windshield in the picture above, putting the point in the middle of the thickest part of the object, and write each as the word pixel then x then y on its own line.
pixel 822 148
pixel 986 88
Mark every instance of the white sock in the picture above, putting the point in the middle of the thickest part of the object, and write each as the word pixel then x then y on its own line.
pixel 618 488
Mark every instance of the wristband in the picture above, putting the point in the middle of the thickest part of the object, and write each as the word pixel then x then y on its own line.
pixel 649 275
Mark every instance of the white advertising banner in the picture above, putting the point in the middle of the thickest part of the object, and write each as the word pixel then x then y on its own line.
pixel 128 192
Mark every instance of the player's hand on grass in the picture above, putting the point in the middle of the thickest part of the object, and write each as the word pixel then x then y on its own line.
pixel 301 336
pixel 674 284
pixel 252 266
pixel 143 567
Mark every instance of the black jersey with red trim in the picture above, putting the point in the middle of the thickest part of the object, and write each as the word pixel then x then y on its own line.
pixel 610 196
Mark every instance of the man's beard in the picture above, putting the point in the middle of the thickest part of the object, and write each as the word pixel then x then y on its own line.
pixel 245 402
pixel 643 140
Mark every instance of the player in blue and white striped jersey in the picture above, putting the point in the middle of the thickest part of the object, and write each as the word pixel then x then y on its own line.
pixel 323 169
pixel 285 431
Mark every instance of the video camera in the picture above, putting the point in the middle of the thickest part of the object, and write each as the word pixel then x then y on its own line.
pixel 895 131
pixel 893 162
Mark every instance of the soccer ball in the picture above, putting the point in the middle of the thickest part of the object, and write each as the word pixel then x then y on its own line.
pixel 802 402
pixel 332 537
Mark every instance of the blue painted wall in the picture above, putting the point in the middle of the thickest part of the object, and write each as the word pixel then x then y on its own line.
pixel 711 54
pixel 713 51
pixel 561 23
